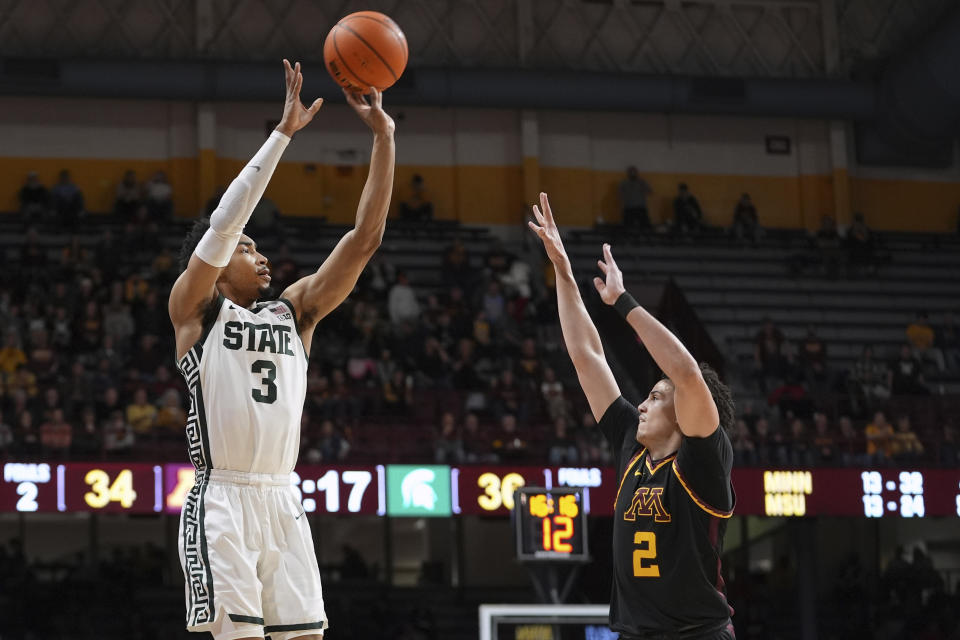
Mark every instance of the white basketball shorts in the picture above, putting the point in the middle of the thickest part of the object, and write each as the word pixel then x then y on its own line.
pixel 247 557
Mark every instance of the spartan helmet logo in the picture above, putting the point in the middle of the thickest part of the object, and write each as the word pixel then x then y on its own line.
pixel 416 490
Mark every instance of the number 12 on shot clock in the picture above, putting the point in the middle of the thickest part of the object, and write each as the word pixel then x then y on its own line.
pixel 550 524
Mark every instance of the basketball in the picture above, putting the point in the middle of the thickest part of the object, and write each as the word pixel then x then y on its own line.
pixel 365 49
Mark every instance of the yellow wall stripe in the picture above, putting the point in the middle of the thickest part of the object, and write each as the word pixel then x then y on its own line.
pixel 498 194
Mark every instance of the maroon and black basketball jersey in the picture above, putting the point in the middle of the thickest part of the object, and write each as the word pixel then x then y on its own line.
pixel 669 519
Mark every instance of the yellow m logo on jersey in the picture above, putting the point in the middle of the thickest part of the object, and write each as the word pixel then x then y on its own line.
pixel 647 501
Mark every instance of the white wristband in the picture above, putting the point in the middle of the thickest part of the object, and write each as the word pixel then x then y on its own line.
pixel 216 247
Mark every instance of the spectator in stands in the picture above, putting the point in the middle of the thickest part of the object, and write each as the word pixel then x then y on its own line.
pixel 27 436
pixel 769 353
pixel 50 403
pixel 860 244
pixel 949 452
pixel 868 381
pixel 633 191
pixel 88 440
pixel 813 360
pixel 43 361
pixel 448 446
pixel 333 446
pixel 476 446
pixel 824 444
pixel 744 448
pixel 402 302
pixel 921 337
pixel 11 356
pixel 529 363
pixel 762 445
pixel 687 215
pixel 6 437
pixel 129 196
pixel 417 207
pixel 800 445
pixel 828 244
pixel 148 355
pixel 171 418
pixel 493 304
pixel 89 328
pixel 118 321
pixel 778 444
pixel 159 198
pixel 507 443
pixel 109 403
pixel 397 394
pixel 506 396
pixel 592 446
pixel 67 201
pixel 905 447
pixel 551 391
pixel 22 380
pixel 434 365
pixel 61 330
pixel 118 437
pixel 791 398
pixel 496 261
pixel 849 443
pixel 34 199
pixel 140 413
pixel 56 435
pixel 948 337
pixel 563 448
pixel 746 223
pixel 456 270
pixel 347 405
pixel 879 437
pixel 906 375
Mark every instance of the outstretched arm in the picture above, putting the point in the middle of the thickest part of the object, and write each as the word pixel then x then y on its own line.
pixel 316 295
pixel 579 334
pixel 195 287
pixel 696 411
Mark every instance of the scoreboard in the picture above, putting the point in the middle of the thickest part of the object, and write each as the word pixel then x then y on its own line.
pixel 480 490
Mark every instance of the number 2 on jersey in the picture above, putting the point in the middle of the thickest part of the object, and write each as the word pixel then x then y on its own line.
pixel 648 552
pixel 269 371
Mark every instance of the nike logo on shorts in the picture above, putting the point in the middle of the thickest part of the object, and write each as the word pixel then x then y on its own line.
pixel 301 513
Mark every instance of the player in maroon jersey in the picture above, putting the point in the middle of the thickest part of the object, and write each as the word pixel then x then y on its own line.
pixel 673 459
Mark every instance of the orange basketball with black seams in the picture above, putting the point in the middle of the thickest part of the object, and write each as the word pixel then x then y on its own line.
pixel 365 49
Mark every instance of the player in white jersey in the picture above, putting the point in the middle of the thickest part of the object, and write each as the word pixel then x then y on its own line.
pixel 246 551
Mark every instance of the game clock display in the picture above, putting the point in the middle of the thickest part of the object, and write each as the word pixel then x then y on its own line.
pixel 550 524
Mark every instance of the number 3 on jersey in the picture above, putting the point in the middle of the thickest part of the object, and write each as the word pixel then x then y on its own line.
pixel 647 552
pixel 269 372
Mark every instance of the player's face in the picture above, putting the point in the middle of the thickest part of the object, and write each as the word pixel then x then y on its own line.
pixel 658 417
pixel 248 270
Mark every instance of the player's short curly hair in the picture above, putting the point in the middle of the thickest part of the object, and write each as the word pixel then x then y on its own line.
pixel 722 397
pixel 191 241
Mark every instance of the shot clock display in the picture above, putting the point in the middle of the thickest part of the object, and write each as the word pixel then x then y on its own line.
pixel 550 524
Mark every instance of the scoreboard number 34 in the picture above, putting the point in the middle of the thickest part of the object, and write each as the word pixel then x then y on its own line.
pixel 103 492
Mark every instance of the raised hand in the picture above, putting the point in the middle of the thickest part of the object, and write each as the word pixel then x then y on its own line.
pixel 547 231
pixel 371 112
pixel 295 115
pixel 610 289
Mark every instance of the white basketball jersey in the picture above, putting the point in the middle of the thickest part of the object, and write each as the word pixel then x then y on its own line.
pixel 247 377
